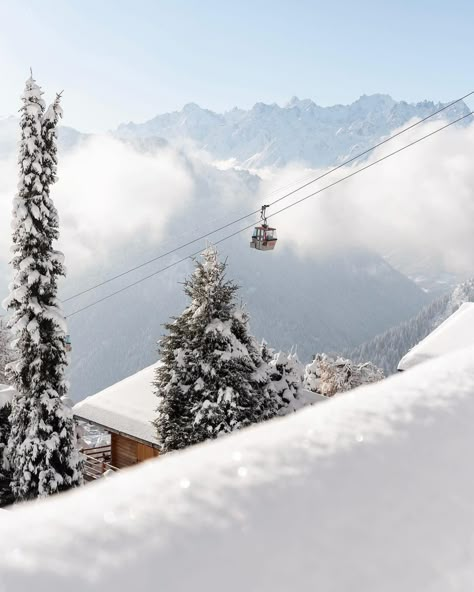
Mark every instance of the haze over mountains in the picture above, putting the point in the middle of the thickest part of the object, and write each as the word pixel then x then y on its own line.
pixel 126 197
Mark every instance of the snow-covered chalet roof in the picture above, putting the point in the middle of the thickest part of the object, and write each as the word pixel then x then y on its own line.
pixel 370 491
pixel 128 407
pixel 456 332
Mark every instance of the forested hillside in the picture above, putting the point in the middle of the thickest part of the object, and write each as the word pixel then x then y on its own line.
pixel 387 349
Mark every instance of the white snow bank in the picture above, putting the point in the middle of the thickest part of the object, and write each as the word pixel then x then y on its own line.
pixel 6 394
pixel 456 332
pixel 371 491
pixel 129 406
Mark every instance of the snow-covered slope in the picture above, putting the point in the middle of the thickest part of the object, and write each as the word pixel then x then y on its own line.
pixel 301 131
pixel 367 491
pixel 387 349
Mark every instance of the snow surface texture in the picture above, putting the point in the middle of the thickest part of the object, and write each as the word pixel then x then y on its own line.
pixel 370 491
pixel 128 406
pixel 457 332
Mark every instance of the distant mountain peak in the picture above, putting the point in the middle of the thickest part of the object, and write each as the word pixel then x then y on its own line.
pixel 192 107
pixel 300 103
pixel 300 131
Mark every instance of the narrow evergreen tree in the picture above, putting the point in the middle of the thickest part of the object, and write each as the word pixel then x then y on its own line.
pixel 213 379
pixel 41 447
pixel 6 494
pixel 286 375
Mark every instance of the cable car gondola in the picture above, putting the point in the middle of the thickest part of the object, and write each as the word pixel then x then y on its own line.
pixel 68 343
pixel 264 238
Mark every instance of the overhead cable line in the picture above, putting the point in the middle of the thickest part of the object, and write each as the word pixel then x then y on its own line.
pixel 289 194
pixel 350 175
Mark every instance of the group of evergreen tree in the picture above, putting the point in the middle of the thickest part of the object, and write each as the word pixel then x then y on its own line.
pixel 214 378
pixel 37 432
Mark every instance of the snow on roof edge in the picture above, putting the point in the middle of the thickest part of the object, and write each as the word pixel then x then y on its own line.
pixel 128 406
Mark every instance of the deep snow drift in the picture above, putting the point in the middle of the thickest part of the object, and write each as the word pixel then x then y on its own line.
pixel 370 491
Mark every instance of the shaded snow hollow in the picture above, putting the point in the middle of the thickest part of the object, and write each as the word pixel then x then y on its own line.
pixel 371 491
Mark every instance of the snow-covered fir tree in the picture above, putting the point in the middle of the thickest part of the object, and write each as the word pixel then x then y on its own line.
pixel 286 375
pixel 327 376
pixel 41 447
pixel 213 379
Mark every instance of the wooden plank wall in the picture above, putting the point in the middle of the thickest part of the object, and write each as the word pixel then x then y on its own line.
pixel 127 452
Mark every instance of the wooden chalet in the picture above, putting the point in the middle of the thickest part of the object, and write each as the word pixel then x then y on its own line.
pixel 125 411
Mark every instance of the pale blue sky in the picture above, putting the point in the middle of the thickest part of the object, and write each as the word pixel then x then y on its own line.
pixel 123 60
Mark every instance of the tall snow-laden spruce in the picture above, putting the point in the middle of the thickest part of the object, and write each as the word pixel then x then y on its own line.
pixel 212 379
pixel 41 448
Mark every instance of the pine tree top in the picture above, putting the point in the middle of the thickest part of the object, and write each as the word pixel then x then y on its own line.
pixel 31 96
pixel 211 294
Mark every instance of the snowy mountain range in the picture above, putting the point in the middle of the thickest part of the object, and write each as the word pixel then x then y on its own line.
pixel 300 131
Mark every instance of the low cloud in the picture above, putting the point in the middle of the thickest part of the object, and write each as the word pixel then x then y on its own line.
pixel 108 195
pixel 416 208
